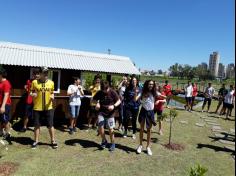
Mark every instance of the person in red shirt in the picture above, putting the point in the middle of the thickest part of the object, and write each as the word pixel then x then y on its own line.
pixel 195 93
pixel 5 105
pixel 29 99
pixel 167 89
pixel 159 106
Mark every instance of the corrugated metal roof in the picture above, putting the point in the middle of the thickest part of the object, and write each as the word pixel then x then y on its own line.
pixel 37 56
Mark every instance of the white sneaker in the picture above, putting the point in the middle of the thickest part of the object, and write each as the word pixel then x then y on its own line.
pixel 202 111
pixel 134 136
pixel 125 135
pixel 139 149
pixel 149 151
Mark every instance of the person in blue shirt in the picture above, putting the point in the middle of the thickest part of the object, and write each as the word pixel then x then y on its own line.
pixel 131 104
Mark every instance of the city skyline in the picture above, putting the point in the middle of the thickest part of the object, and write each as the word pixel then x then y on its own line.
pixel 154 34
pixel 200 62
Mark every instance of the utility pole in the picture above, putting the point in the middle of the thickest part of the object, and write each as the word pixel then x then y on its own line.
pixel 109 51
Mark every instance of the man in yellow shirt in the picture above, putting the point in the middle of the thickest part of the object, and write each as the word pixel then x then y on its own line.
pixel 43 96
pixel 93 113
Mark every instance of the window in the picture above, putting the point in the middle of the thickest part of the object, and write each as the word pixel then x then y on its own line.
pixel 55 76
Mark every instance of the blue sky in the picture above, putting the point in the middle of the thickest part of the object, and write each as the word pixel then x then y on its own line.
pixel 153 33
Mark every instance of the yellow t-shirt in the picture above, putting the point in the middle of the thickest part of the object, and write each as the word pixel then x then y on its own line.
pixel 42 101
pixel 94 90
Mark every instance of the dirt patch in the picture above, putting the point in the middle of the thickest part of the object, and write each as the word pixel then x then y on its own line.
pixel 8 168
pixel 173 146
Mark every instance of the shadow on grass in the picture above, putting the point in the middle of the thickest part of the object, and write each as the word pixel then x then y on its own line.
pixel 216 148
pixel 27 141
pixel 125 148
pixel 226 137
pixel 62 128
pixel 83 143
pixel 228 119
pixel 92 144
pixel 214 116
pixel 117 134
pixel 154 140
pixel 22 140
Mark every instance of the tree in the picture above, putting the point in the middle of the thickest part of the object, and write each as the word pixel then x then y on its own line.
pixel 173 146
pixel 186 70
pixel 174 69
pixel 180 71
pixel 173 114
pixel 192 73
pixel 160 72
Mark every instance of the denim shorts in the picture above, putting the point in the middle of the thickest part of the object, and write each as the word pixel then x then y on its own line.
pixel 74 111
pixel 5 117
pixel 28 110
pixel 109 122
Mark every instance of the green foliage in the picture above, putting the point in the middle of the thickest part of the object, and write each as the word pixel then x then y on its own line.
pixel 1 68
pixel 198 170
pixel 88 77
pixel 188 72
pixel 173 113
pixel 164 116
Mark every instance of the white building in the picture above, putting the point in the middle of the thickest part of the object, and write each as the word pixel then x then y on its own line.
pixel 222 71
pixel 230 71
pixel 214 63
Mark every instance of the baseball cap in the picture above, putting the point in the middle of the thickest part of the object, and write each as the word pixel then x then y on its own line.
pixel 44 69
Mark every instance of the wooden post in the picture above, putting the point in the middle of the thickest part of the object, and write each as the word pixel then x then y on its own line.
pixel 109 79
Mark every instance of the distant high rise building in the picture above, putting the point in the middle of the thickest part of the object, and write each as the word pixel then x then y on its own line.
pixel 204 65
pixel 230 71
pixel 214 63
pixel 222 71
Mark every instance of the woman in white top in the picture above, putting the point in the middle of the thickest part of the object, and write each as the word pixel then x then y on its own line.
pixel 75 91
pixel 229 101
pixel 188 96
pixel 208 94
pixel 147 113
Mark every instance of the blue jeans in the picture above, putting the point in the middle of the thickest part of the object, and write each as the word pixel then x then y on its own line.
pixel 5 117
pixel 74 111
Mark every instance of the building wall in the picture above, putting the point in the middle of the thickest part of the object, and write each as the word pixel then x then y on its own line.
pixel 230 72
pixel 221 72
pixel 214 63
pixel 18 76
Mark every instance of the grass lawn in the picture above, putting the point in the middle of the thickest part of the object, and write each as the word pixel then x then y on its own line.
pixel 85 158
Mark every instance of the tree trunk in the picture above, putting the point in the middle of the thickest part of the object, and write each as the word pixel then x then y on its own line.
pixel 170 130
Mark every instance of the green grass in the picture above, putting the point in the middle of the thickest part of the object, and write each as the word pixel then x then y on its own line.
pixel 85 158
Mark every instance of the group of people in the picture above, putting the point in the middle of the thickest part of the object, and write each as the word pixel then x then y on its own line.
pixel 126 100
pixel 132 102
pixel 225 97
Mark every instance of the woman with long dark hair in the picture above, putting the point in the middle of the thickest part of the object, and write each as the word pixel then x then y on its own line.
pixel 131 104
pixel 146 114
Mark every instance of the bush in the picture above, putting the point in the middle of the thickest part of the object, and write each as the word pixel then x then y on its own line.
pixel 198 170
